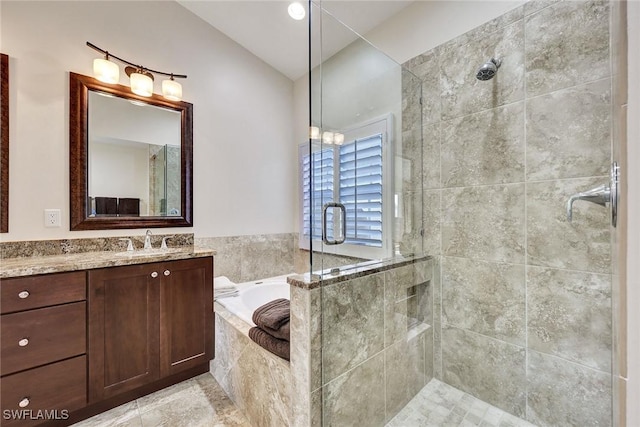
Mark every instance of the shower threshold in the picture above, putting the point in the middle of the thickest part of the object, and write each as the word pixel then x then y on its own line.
pixel 439 404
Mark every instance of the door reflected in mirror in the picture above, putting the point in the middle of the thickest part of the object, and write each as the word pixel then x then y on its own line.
pixel 134 158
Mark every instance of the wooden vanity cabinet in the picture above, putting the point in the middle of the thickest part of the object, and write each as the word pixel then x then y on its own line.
pixel 43 344
pixel 148 322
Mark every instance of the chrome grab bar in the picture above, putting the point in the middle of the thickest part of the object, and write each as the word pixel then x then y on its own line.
pixel 343 210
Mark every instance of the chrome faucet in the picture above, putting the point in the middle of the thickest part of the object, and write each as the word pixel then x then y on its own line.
pixel 147 240
pixel 600 195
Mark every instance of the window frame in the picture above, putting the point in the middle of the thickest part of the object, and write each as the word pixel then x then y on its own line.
pixel 380 125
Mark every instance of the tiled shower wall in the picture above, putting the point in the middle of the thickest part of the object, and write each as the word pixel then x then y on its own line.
pixel 522 310
pixel 363 346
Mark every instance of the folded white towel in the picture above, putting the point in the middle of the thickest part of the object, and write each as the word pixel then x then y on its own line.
pixel 225 294
pixel 223 283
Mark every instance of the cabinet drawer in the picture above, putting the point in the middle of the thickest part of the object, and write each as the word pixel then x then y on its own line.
pixel 25 293
pixel 55 388
pixel 36 337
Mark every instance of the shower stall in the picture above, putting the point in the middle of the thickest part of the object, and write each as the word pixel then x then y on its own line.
pixel 450 287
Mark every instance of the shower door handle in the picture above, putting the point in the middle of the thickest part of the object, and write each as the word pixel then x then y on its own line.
pixel 343 212
pixel 601 195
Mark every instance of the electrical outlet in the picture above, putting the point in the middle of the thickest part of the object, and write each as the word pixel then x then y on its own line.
pixel 52 217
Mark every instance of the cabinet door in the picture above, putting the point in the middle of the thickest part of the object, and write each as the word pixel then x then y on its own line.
pixel 186 315
pixel 123 329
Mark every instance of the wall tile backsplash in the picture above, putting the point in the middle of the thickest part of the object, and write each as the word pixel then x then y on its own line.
pixel 521 296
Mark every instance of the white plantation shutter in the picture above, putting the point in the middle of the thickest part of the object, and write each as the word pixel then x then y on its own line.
pixel 317 190
pixel 355 175
pixel 360 190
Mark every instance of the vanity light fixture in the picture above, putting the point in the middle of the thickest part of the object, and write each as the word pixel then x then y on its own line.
pixel 296 11
pixel 141 82
pixel 314 132
pixel 335 138
pixel 105 70
pixel 141 78
pixel 171 89
pixel 327 137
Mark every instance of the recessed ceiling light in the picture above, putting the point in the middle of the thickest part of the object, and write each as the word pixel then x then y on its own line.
pixel 296 11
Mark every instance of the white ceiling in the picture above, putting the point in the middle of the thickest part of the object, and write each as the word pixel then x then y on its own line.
pixel 265 29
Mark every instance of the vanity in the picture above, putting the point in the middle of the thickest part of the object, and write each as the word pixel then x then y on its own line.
pixel 86 332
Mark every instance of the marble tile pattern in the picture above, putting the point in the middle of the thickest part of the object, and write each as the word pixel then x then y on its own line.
pixel 258 382
pixel 374 358
pixel 570 139
pixel 484 148
pixel 489 369
pixel 356 397
pixel 461 93
pixel 306 355
pixel 253 257
pixel 405 371
pixel 567 45
pixel 484 222
pixel 501 157
pixel 398 283
pixel 40 248
pixel 552 241
pixel 352 324
pixel 564 393
pixel 439 404
pixel 484 297
pixel 570 315
pixel 199 401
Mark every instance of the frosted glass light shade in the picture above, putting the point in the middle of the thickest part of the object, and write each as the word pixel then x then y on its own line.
pixel 106 71
pixel 327 137
pixel 314 132
pixel 141 84
pixel 338 138
pixel 172 90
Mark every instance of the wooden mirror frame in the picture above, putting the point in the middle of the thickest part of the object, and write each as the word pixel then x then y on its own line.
pixel 79 87
pixel 4 145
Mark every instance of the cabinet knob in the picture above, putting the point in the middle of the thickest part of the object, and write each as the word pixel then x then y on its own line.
pixel 154 274
pixel 24 402
pixel 23 342
pixel 167 272
pixel 23 294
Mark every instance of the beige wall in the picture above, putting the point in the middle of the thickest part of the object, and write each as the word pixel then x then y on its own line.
pixel 243 112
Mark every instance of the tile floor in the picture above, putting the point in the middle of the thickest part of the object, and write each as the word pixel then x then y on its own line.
pixel 198 402
pixel 201 402
pixel 440 405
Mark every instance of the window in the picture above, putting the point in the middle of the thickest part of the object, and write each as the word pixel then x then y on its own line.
pixel 355 174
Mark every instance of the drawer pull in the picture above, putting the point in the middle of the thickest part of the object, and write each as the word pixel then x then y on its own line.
pixel 154 274
pixel 167 272
pixel 24 402
pixel 23 342
pixel 23 294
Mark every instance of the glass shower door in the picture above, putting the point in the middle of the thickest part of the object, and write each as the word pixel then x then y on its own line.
pixel 364 160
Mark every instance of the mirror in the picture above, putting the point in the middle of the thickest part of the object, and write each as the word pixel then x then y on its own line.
pixel 4 143
pixel 130 158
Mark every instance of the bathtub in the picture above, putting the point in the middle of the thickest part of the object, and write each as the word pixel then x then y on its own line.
pixel 254 294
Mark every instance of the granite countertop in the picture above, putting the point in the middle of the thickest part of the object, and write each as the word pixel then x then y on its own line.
pixel 329 277
pixel 28 266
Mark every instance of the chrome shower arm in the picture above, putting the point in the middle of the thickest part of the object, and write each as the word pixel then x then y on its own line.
pixel 600 195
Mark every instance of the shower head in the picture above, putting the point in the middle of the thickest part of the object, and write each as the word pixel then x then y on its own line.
pixel 488 69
